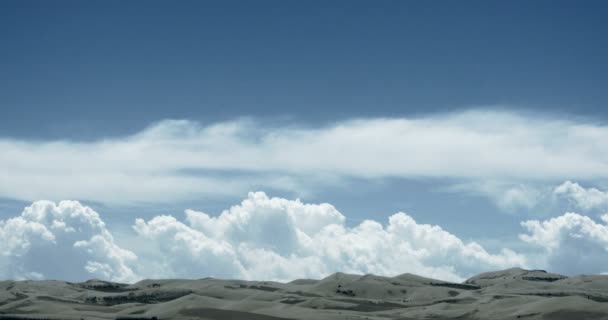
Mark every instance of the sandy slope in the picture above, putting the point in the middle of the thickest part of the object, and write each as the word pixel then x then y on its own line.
pixel 507 294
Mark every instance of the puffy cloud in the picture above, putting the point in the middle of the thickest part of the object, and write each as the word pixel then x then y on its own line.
pixel 176 159
pixel 181 251
pixel 61 241
pixel 280 239
pixel 572 243
pixel 262 220
pixel 583 198
pixel 261 238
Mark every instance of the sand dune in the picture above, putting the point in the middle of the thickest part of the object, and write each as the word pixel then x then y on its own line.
pixel 507 294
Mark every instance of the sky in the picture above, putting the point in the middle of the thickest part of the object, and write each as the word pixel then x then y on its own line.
pixel 291 139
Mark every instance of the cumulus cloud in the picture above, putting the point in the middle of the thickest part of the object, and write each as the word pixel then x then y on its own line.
pixel 180 251
pixel 64 241
pixel 571 243
pixel 176 159
pixel 261 238
pixel 583 198
pixel 281 239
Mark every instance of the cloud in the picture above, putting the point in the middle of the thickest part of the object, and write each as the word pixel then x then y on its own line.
pixel 61 241
pixel 177 159
pixel 571 243
pixel 583 198
pixel 261 238
pixel 278 239
pixel 507 196
pixel 180 251
pixel 274 238
pixel 518 197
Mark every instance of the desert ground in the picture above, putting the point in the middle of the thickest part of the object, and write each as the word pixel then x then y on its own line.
pixel 507 294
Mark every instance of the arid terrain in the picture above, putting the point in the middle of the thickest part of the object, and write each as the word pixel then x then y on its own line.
pixel 508 294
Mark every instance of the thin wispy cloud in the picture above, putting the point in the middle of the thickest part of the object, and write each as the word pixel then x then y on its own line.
pixel 178 159
pixel 582 198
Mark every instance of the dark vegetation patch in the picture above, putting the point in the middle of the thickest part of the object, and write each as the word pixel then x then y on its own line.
pixel 547 294
pixel 107 287
pixel 454 285
pixel 151 298
pixel 348 292
pixel 595 298
pixel 220 314
pixel 243 286
pixel 546 279
pixel 453 293
pixel 292 301
pixel 457 301
pixel 306 294
pixel 233 287
pixel 264 288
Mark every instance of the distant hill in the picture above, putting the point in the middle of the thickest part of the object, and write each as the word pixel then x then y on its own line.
pixel 507 294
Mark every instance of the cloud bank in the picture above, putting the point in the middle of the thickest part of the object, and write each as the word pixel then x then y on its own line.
pixel 176 159
pixel 280 239
pixel 261 238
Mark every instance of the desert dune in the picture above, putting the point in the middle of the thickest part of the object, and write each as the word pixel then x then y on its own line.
pixel 508 294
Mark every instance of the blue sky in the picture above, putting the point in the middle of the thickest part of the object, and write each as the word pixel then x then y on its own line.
pixel 107 67
pixel 473 116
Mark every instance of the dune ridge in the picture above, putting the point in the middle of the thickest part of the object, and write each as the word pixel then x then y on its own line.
pixel 506 294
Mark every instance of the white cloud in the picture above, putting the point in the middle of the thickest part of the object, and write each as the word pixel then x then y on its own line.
pixel 275 238
pixel 584 198
pixel 571 243
pixel 517 197
pixel 174 160
pixel 51 240
pixel 261 238
pixel 280 239
pixel 262 220
pixel 508 196
pixel 181 251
